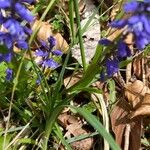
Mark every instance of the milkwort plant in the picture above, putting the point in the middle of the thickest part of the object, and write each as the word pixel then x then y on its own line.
pixel 46 106
pixel 138 24
pixel 12 31
pixel 47 57
pixel 47 53
pixel 109 54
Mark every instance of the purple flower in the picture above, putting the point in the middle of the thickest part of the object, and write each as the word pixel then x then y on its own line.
pixel 52 41
pixel 41 53
pixel 123 50
pixel 22 44
pixel 5 4
pixel 47 54
pixel 50 63
pixel 112 66
pixel 57 52
pixel 138 23
pixel 23 12
pixel 9 74
pixel 17 33
pixel 131 6
pixel 119 23
pixel 6 57
pixel 38 81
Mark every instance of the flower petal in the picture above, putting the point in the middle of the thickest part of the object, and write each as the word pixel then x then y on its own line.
pixel 131 6
pixel 23 12
pixel 112 66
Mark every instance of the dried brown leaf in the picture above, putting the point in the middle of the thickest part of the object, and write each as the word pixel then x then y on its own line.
pixel 45 31
pixel 73 126
pixel 119 119
pixel 135 91
pixel 143 109
pixel 137 68
pixel 135 134
pixel 70 81
pixel 76 129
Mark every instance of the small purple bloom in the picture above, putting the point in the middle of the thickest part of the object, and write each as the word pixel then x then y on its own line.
pixel 146 23
pixel 7 57
pixel 9 74
pixel 16 33
pixel 112 66
pixel 119 23
pixel 123 49
pixel 5 4
pixel 22 44
pixel 41 53
pixel 131 6
pixel 23 12
pixel 46 53
pixel 52 41
pixel 50 63
pixel 138 23
pixel 57 52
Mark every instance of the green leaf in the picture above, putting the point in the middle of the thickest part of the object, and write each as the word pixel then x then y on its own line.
pixel 92 90
pixel 59 134
pixel 98 126
pixel 8 138
pixel 26 141
pixel 92 70
pixel 90 107
pixel 125 62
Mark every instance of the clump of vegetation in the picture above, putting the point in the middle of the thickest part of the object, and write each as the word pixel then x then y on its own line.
pixel 51 100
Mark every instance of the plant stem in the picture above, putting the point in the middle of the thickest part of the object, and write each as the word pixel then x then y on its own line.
pixel 80 35
pixel 49 125
pixel 11 99
pixel 71 17
pixel 42 17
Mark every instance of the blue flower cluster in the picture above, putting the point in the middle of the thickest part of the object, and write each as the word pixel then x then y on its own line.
pixel 12 31
pixel 138 24
pixel 122 51
pixel 46 53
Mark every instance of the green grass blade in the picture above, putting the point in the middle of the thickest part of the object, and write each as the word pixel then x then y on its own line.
pixel 90 73
pixel 71 17
pixel 91 119
pixel 58 132
pixel 81 137
pixel 80 34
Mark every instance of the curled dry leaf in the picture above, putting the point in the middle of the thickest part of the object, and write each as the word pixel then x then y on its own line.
pixel 71 80
pixel 135 91
pixel 119 119
pixel 143 109
pixel 45 31
pixel 74 127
